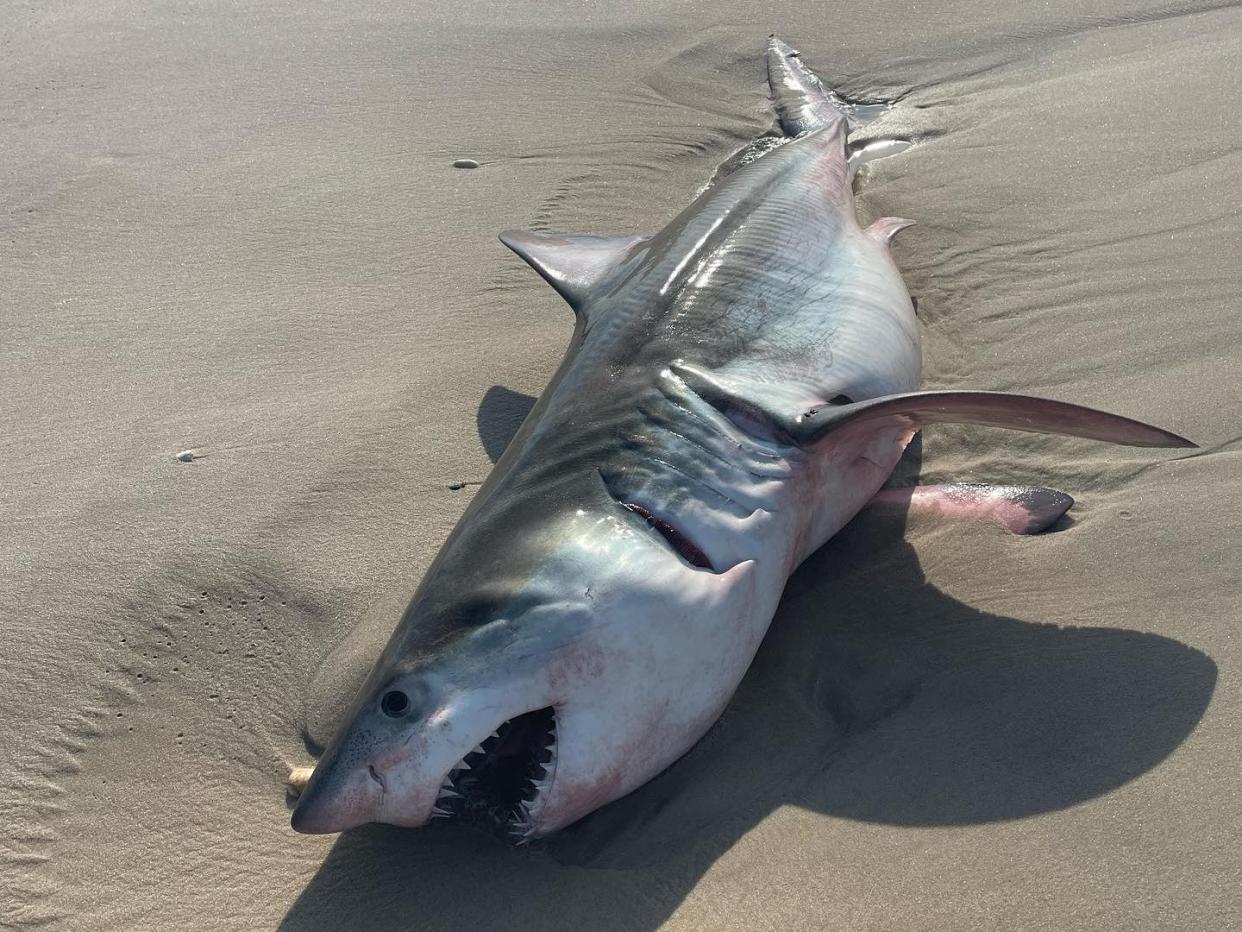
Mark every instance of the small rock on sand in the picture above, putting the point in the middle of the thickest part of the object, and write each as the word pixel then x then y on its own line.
pixel 298 778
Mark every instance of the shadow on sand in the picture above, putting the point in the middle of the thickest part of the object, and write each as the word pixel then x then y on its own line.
pixel 875 697
pixel 501 413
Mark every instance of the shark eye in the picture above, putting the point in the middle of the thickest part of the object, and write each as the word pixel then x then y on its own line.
pixel 394 703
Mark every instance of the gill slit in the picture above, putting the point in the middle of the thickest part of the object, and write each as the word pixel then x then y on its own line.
pixel 675 539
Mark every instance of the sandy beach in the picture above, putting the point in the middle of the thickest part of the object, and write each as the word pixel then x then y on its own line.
pixel 236 230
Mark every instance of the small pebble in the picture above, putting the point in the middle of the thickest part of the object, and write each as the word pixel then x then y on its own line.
pixel 465 163
pixel 186 456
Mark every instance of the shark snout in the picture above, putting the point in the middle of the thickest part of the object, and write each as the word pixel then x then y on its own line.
pixel 336 802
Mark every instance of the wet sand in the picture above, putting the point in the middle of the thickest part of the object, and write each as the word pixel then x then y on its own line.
pixel 238 231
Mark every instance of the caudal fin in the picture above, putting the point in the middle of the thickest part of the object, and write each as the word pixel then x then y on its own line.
pixel 802 102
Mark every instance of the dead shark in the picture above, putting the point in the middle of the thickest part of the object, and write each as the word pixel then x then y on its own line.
pixel 737 388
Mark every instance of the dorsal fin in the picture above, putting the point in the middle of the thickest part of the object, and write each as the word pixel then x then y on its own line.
pixel 884 229
pixel 573 264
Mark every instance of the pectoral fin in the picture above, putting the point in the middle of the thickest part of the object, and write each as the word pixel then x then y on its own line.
pixel 991 409
pixel 763 411
pixel 1018 509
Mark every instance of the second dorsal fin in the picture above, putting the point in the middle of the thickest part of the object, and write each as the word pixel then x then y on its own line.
pixel 884 229
pixel 573 264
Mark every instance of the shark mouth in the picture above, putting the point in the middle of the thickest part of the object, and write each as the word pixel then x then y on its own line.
pixel 500 786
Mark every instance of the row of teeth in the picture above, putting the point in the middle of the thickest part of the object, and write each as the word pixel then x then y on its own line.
pixel 448 792
pixel 522 824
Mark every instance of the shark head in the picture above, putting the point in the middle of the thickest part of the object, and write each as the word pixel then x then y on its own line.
pixel 521 703
pixel 421 727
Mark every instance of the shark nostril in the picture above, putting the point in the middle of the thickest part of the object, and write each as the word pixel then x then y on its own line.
pixel 395 703
pixel 375 775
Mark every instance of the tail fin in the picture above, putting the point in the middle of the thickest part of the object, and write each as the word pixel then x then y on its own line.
pixel 802 102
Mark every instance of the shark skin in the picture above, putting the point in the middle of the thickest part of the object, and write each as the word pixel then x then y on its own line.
pixel 738 386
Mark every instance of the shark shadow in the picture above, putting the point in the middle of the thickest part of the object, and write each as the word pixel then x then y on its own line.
pixel 501 413
pixel 875 697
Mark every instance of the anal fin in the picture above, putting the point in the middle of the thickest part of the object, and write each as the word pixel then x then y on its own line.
pixel 1018 509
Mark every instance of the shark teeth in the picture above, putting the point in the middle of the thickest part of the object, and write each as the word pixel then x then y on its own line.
pixel 502 784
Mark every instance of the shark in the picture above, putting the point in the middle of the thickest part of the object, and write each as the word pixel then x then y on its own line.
pixel 737 388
